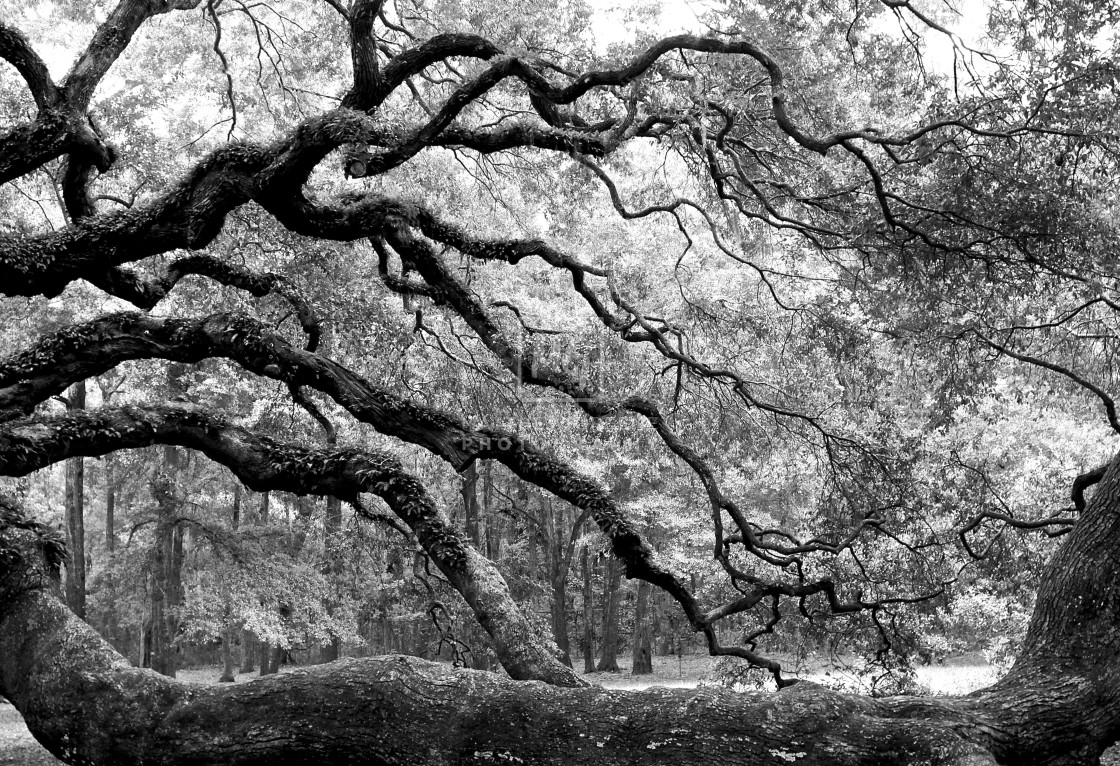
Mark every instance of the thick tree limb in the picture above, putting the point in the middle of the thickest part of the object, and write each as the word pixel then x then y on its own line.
pixel 264 464
pixel 1083 482
pixel 17 51
pixel 31 145
pixel 87 704
pixel 407 711
pixel 363 55
pixel 109 42
pixel 82 351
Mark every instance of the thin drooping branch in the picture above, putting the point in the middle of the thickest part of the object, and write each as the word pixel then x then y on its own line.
pixel 265 464
pixel 449 289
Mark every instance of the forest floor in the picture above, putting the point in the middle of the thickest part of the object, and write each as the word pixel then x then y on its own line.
pixel 957 676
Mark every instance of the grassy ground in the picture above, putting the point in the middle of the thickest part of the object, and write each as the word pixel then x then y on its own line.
pixel 19 748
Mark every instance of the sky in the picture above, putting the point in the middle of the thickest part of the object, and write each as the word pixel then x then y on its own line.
pixel 676 16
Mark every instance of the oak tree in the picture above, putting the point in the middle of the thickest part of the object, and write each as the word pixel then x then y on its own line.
pixel 872 209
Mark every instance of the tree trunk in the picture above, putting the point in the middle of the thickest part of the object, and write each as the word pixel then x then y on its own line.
pixel 612 597
pixel 161 582
pixel 559 612
pixel 110 506
pixel 264 657
pixel 112 629
pixel 587 643
pixel 85 703
pixel 666 625
pixel 643 649
pixel 248 652
pixel 229 674
pixel 75 516
pixel 469 491
pixel 559 561
pixel 332 526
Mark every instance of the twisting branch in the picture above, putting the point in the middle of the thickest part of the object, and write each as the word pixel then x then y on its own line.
pixel 363 55
pixel 95 347
pixel 17 51
pixel 265 464
pixel 1083 482
pixel 109 42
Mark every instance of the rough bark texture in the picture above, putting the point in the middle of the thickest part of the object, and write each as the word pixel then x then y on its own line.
pixel 76 516
pixel 612 598
pixel 265 464
pixel 229 668
pixel 248 652
pixel 163 578
pixel 643 644
pixel 1059 704
pixel 332 527
pixel 93 348
pixel 587 640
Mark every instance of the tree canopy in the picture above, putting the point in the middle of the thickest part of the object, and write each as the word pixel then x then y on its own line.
pixel 805 313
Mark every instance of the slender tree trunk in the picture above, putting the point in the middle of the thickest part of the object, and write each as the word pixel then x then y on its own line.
pixel 229 668
pixel 162 583
pixel 264 661
pixel 75 516
pixel 559 612
pixel 642 650
pixel 110 590
pixel 167 564
pixel 587 644
pixel 159 641
pixel 248 641
pixel 332 526
pixel 145 649
pixel 248 652
pixel 612 598
pixel 110 505
pixel 469 491
pixel 265 657
pixel 485 530
pixel 493 521
pixel 666 625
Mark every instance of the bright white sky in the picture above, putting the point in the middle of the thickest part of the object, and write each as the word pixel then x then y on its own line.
pixel 676 16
